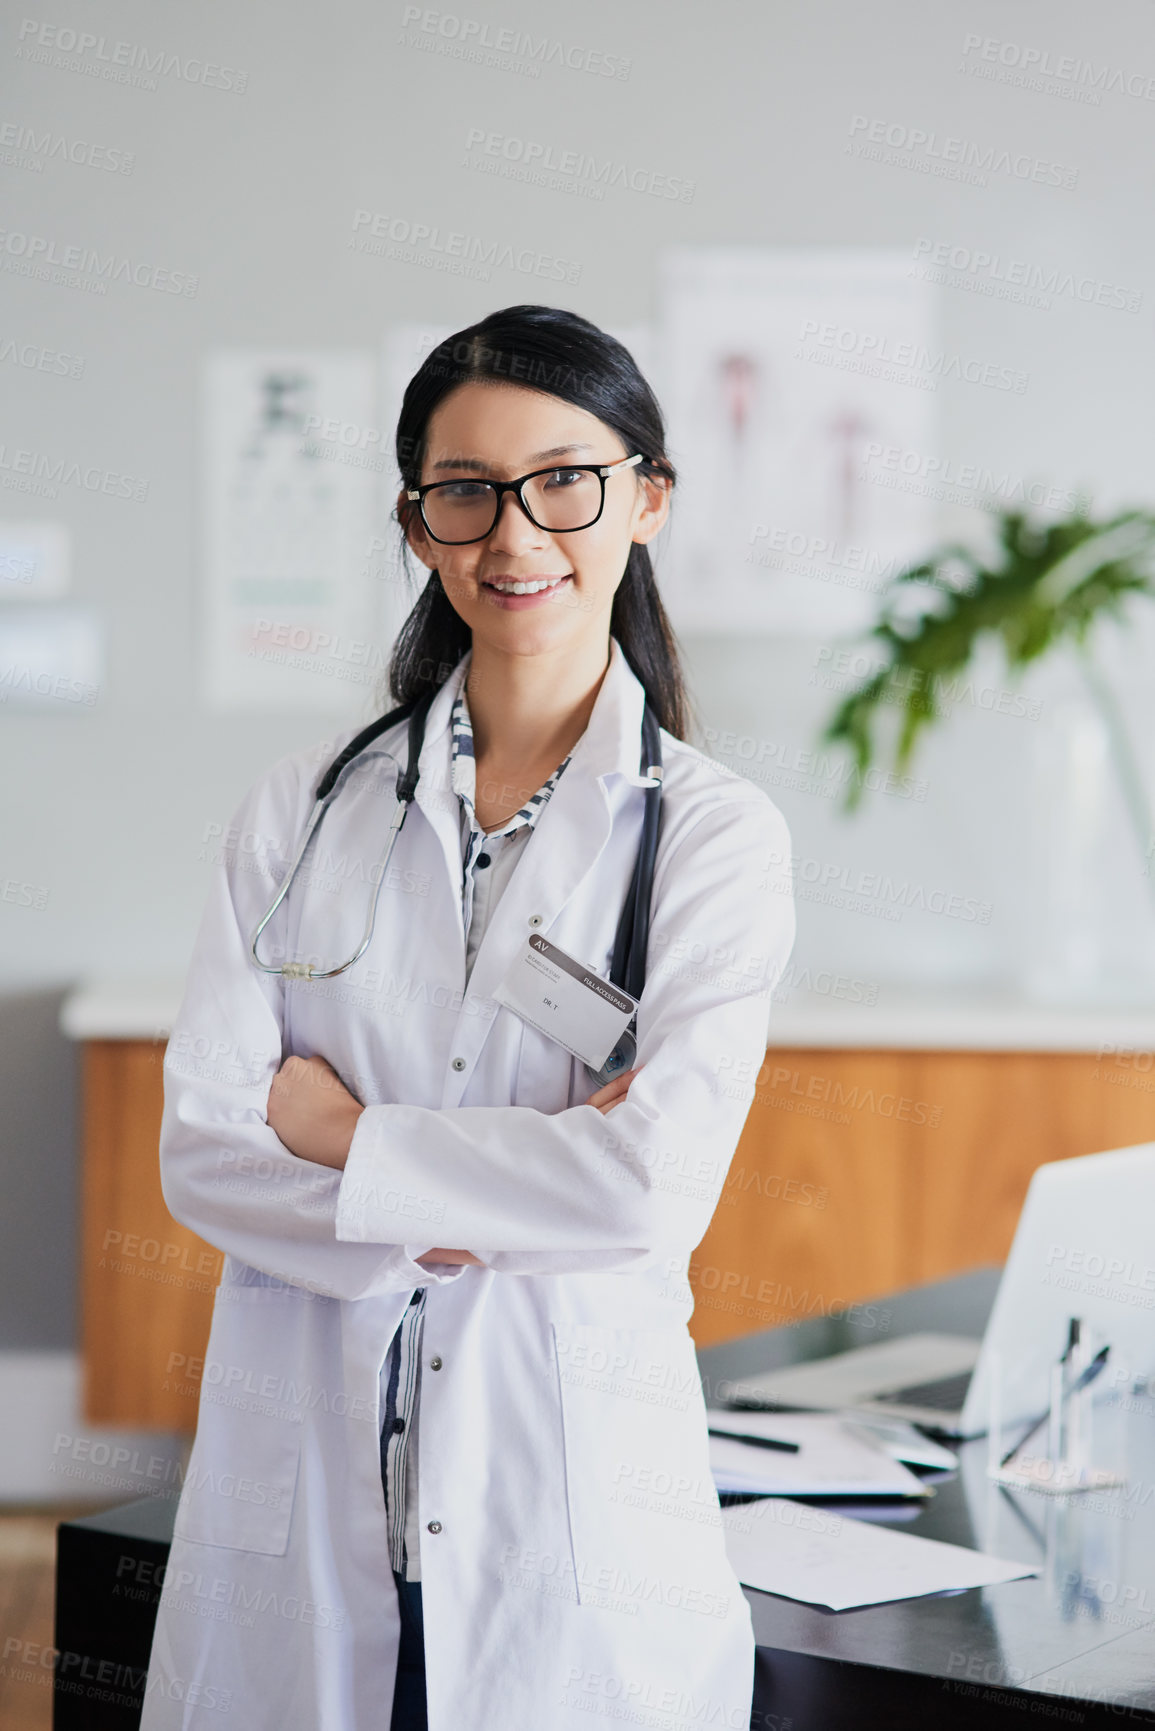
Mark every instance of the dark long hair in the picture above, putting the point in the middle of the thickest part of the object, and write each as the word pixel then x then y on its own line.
pixel 565 356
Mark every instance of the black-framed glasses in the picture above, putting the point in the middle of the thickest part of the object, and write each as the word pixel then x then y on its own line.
pixel 559 500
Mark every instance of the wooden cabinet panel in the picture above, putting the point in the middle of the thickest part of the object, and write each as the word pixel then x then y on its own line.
pixel 1004 1113
pixel 858 1173
pixel 147 1283
pixel 862 1172
pixel 814 1213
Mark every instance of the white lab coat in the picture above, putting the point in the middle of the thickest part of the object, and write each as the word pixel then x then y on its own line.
pixel 571 1557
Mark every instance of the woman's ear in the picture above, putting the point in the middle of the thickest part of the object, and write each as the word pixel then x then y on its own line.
pixel 652 507
pixel 416 539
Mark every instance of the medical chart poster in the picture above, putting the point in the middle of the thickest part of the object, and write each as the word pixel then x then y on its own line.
pixel 291 470
pixel 785 373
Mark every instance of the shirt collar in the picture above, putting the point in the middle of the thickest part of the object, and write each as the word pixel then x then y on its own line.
pixel 463 773
pixel 610 745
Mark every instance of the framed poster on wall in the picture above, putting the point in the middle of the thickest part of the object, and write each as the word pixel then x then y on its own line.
pixel 785 374
pixel 291 467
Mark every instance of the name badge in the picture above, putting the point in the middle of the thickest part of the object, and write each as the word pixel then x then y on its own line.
pixel 565 999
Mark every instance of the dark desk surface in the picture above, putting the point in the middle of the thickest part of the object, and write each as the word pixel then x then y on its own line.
pixel 1076 1643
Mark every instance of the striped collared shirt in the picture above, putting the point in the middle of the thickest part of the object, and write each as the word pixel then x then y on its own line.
pixel 401 1373
pixel 463 780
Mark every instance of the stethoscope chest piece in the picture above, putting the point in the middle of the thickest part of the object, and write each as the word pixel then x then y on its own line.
pixel 619 1061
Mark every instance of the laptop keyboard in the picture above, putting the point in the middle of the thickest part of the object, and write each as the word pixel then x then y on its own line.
pixel 944 1394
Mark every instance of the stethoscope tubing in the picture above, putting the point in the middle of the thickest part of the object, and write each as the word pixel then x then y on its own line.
pixel 628 965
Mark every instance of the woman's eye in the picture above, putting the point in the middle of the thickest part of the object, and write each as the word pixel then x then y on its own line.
pixel 563 478
pixel 463 490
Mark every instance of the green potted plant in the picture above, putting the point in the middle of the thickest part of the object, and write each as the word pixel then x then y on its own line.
pixel 1047 583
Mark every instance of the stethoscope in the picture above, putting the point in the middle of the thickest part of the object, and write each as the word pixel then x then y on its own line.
pixel 628 966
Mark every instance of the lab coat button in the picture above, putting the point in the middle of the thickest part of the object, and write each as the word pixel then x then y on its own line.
pixel 435 1364
pixel 435 1526
pixel 459 1063
pixel 535 919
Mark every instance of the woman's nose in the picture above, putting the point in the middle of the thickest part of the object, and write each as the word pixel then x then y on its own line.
pixel 515 530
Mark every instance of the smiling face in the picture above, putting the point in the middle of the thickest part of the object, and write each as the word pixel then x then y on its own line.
pixel 495 431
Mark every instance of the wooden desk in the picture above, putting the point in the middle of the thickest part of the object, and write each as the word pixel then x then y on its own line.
pixel 862 1170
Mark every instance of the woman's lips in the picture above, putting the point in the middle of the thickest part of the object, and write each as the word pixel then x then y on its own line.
pixel 517 603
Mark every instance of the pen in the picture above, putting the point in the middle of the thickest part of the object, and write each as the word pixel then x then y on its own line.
pixel 759 1442
pixel 1081 1382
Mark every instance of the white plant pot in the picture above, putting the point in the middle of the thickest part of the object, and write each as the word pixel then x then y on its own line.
pixel 1072 780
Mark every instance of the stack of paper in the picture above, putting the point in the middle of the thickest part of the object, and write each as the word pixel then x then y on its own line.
pixel 823 1558
pixel 902 1441
pixel 832 1460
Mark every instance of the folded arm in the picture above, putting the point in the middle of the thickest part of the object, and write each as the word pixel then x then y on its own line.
pixel 524 1192
pixel 582 1190
pixel 224 1171
pixel 315 1115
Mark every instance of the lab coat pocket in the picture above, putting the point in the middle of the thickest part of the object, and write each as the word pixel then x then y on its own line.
pixel 644 1516
pixel 239 1488
pixel 242 1474
pixel 545 1073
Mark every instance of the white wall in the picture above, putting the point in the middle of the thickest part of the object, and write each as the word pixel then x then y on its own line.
pixel 254 193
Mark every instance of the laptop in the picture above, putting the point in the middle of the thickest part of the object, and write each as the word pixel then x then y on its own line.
pixel 1084 1247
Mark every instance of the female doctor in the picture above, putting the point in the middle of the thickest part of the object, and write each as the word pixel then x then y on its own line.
pixel 451 1464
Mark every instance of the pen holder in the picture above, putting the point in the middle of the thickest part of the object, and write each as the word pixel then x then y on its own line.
pixel 1066 1465
pixel 1071 1418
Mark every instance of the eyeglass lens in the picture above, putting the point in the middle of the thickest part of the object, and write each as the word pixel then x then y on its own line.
pixel 467 510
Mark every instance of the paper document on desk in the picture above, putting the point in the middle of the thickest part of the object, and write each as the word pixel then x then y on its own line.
pixel 831 1460
pixel 823 1558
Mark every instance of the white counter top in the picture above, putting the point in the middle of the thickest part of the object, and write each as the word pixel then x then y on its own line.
pixel 950 1020
pixel 958 1021
pixel 121 1010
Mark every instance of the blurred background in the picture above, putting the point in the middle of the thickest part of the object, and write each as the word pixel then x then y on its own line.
pixel 888 273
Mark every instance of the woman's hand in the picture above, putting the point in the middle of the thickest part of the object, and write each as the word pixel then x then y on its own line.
pixel 312 1111
pixel 613 1092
